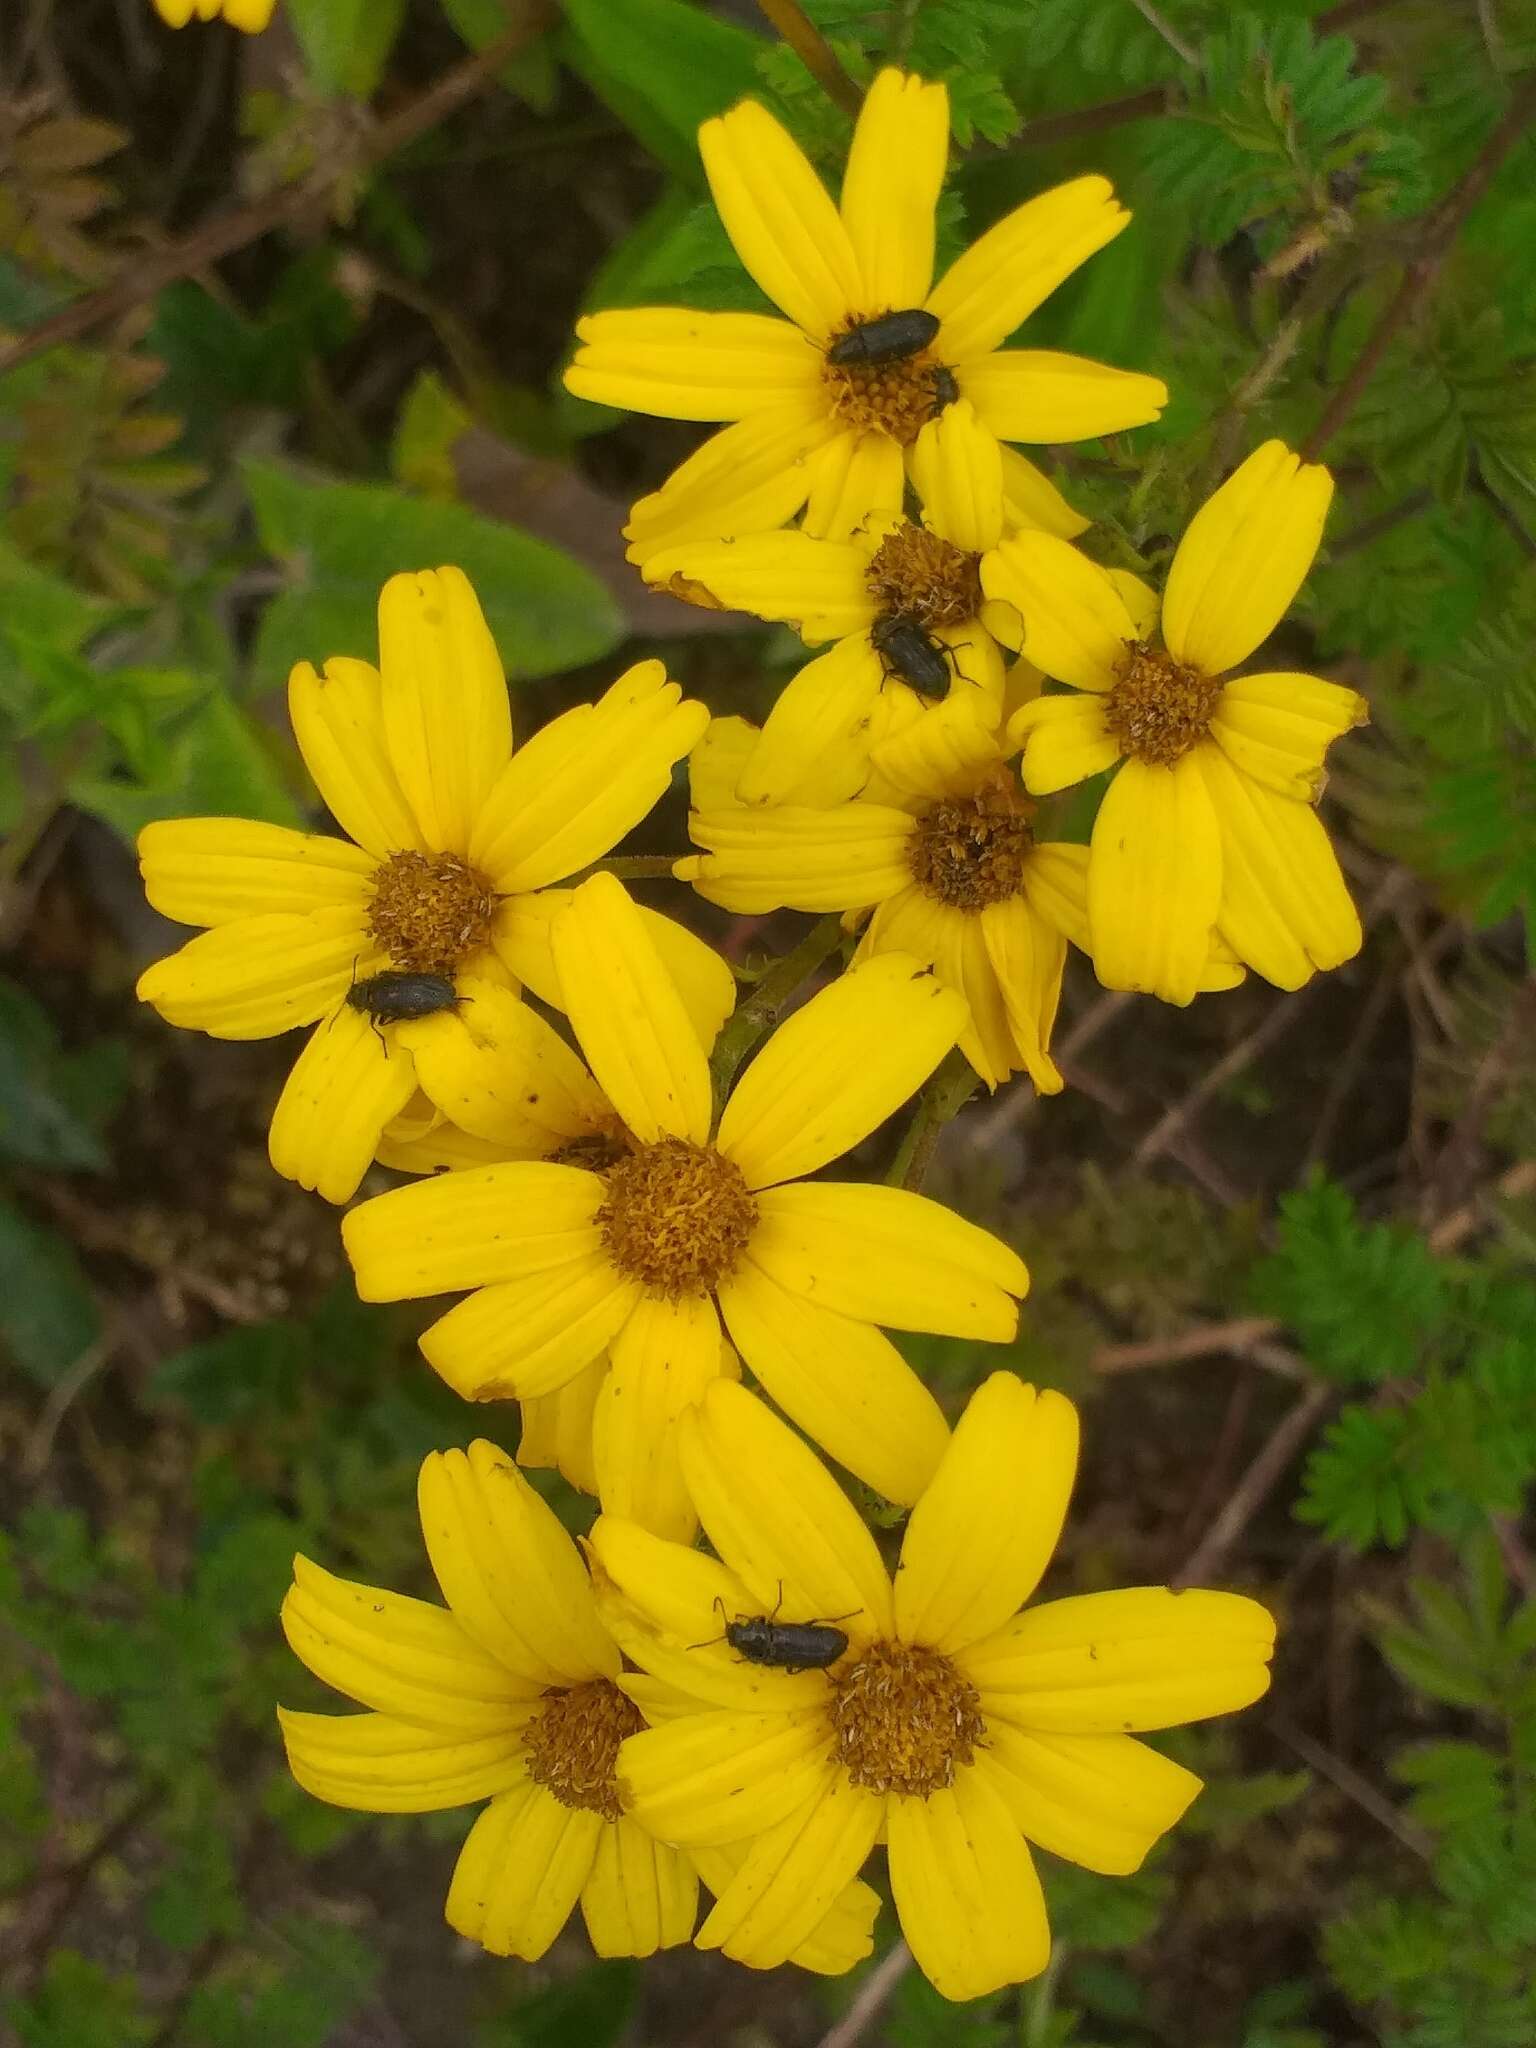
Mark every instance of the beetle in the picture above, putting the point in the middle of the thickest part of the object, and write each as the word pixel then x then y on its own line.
pixel 946 387
pixel 781 1645
pixel 394 998
pixel 908 650
pixel 888 339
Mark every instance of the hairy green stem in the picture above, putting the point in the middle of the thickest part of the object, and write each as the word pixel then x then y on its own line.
pixel 760 1012
pixel 951 1088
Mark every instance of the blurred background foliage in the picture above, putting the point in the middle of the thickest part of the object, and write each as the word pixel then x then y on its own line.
pixel 306 299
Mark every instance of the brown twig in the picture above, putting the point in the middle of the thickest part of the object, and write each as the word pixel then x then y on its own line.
pixel 868 1999
pixel 1441 227
pixel 1203 1341
pixel 1350 1065
pixel 1171 1124
pixel 1255 1487
pixel 814 52
pixel 1360 1791
pixel 146 274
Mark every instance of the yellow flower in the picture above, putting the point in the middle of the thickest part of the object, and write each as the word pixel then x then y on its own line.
pixel 509 1694
pixel 251 15
pixel 456 841
pixel 832 435
pixel 898 598
pixel 1208 825
pixel 954 1727
pixel 683 1221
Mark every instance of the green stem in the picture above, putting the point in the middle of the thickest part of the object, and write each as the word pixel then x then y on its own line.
pixel 1040 2001
pixel 760 1012
pixel 945 1096
pixel 814 52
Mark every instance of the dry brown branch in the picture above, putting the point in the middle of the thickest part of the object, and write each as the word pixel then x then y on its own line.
pixel 871 1995
pixel 1204 1340
pixel 1254 1488
pixel 1360 1791
pixel 814 52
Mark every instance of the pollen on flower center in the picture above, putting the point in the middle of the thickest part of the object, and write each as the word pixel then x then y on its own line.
pixel 573 1744
pixel 904 1719
pixel 1158 709
pixel 429 911
pixel 676 1217
pixel 969 851
pixel 898 398
pixel 914 574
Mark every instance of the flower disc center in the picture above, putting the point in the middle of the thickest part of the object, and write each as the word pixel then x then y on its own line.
pixel 897 398
pixel 969 851
pixel 1158 709
pixel 903 1719
pixel 677 1217
pixel 913 574
pixel 573 1744
pixel 429 911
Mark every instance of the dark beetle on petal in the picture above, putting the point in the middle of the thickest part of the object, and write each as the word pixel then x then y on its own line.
pixel 885 340
pixel 910 652
pixel 394 998
pixel 946 388
pixel 782 1645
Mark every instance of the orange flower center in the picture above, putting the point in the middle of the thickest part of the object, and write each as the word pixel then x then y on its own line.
pixel 573 1744
pixel 677 1217
pixel 904 1719
pixel 916 575
pixel 969 851
pixel 897 398
pixel 1158 709
pixel 430 911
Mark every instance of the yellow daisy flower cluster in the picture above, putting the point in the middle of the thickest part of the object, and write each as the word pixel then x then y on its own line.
pixel 632 1228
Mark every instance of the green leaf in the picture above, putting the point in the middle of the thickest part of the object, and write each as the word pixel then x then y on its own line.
pixel 342 541
pixel 430 424
pixel 664 67
pixel 347 43
pixel 48 1316
pixel 211 759
pixel 588 2010
pixel 42 1122
pixel 79 2005
pixel 532 74
pixel 42 606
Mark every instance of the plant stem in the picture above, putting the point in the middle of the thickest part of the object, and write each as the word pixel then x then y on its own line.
pixel 950 1089
pixel 1040 2000
pixel 814 52
pixel 760 1012
pixel 637 867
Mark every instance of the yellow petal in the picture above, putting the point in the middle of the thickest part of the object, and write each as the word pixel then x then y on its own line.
pixel 777 213
pixel 1065 740
pixel 761 860
pixel 956 467
pixel 521 1871
pixel 338 721
pixel 1005 275
pixel 979 1540
pixel 891 187
pixel 683 365
pixel 1277 728
pixel 1056 885
pixel 571 793
pixel 527 1337
pixel 375 1763
pixel 664 1358
pixel 401 1656
pixel 261 975
pixel 1141 601
pixel 840 1379
pixel 628 1016
pixel 447 721
pixel 721 1777
pixel 1115 1663
pixel 1243 558
pixel 1031 499
pixel 250 16
pixel 882 1255
pixel 501 1072
pixel 965 1888
pixel 1155 878
pixel 948 749
pixel 817 586
pixel 212 870
pixel 745 479
pixel 344 1088
pixel 557 1428
pixel 470 1229
pixel 716 763
pixel 1098 1800
pixel 844 1938
pixel 836 1069
pixel 856 480
pixel 641 1895
pixel 1028 957
pixel 668 1607
pixel 428 1143
pixel 702 979
pixel 963 963
pixel 778 1519
pixel 1075 622
pixel 792 1875
pixel 820 717
pixel 1035 394
pixel 1284 907
pixel 509 1571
